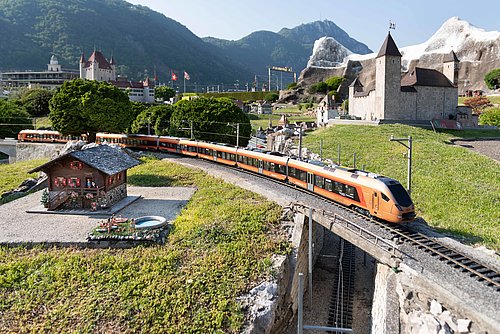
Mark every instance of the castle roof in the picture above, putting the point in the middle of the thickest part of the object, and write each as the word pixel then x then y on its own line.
pixel 128 84
pixel 82 58
pixel 356 83
pixel 389 48
pixel 107 159
pixel 450 57
pixel 99 58
pixel 425 77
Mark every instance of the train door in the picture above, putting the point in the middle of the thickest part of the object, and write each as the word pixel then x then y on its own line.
pixel 214 153
pixel 261 166
pixel 310 181
pixel 375 202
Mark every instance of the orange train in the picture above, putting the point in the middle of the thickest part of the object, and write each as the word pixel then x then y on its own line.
pixel 368 193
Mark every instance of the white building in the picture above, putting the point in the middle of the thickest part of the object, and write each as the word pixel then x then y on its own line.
pixel 325 111
pixel 98 68
pixel 54 77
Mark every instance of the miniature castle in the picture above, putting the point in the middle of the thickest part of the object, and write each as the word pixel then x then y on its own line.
pixel 422 94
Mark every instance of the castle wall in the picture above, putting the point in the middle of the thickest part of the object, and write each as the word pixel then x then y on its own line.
pixel 408 106
pixel 435 102
pixel 363 106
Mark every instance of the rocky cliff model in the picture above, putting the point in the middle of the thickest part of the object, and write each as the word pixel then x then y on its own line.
pixel 477 49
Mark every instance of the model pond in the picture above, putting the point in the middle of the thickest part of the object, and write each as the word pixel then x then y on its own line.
pixel 149 222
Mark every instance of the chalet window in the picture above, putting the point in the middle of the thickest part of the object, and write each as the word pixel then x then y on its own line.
pixel 76 164
pixel 73 182
pixel 119 176
pixel 60 182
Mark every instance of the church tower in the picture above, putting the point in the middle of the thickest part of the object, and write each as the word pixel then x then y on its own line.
pixel 387 80
pixel 450 67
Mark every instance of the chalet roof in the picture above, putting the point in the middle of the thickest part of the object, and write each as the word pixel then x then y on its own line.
pixel 107 159
pixel 451 57
pixel 425 77
pixel 99 58
pixel 389 48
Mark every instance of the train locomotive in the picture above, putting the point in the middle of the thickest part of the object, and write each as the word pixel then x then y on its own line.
pixel 368 193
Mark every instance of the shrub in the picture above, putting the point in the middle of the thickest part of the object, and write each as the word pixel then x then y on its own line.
pixel 492 79
pixel 490 116
pixel 478 103
pixel 320 87
pixel 292 85
pixel 334 82
pixel 271 97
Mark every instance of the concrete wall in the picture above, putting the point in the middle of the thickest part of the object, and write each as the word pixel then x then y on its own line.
pixel 30 151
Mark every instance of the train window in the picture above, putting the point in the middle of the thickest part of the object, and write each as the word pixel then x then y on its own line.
pixel 291 171
pixel 351 193
pixel 338 188
pixel 240 158
pixel 232 157
pixel 384 197
pixel 279 169
pixel 319 181
pixel 328 185
pixel 303 176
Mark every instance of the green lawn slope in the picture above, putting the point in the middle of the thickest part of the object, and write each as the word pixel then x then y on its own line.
pixel 221 245
pixel 454 189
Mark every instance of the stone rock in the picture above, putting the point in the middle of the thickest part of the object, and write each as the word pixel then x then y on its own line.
pixel 436 307
pixel 259 305
pixel 422 323
pixel 327 52
pixel 445 329
pixel 447 319
pixel 463 325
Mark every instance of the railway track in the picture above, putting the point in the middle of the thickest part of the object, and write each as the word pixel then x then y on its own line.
pixel 404 233
pixel 341 303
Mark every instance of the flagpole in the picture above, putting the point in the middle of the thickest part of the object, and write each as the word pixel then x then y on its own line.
pixel 184 76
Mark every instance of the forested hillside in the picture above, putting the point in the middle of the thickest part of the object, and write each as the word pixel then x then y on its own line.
pixel 139 39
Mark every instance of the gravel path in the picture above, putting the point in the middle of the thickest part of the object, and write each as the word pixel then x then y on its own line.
pixel 16 225
pixel 490 148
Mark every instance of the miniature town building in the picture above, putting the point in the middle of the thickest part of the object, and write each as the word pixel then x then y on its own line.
pixel 87 179
pixel 326 110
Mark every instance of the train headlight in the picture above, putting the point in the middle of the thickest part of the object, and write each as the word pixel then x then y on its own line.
pixel 399 208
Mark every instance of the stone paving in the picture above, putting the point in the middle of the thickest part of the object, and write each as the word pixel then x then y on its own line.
pixel 17 225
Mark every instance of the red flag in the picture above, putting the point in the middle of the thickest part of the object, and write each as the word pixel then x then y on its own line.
pixel 174 76
pixel 186 76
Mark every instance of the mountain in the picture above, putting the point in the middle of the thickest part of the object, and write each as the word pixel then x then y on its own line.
pixel 288 47
pixel 478 51
pixel 143 41
pixel 308 33
pixel 139 39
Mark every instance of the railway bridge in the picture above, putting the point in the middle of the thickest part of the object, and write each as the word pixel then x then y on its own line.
pixel 21 151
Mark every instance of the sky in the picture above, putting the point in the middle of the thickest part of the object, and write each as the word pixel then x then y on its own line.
pixel 365 20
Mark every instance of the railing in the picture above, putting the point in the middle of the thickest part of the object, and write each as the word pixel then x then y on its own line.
pixel 371 237
pixel 65 193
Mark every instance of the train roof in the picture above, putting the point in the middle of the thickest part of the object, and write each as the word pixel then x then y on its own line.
pixel 263 156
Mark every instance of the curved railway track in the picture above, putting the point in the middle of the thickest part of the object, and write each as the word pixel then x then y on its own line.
pixel 403 233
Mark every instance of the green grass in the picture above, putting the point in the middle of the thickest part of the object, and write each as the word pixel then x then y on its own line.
pixel 12 175
pixel 42 123
pixel 221 245
pixel 493 99
pixel 454 189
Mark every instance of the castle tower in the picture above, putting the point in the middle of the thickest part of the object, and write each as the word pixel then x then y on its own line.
pixel 82 66
pixel 450 67
pixel 387 80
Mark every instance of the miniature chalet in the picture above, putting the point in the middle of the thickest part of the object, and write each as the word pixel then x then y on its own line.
pixel 91 179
